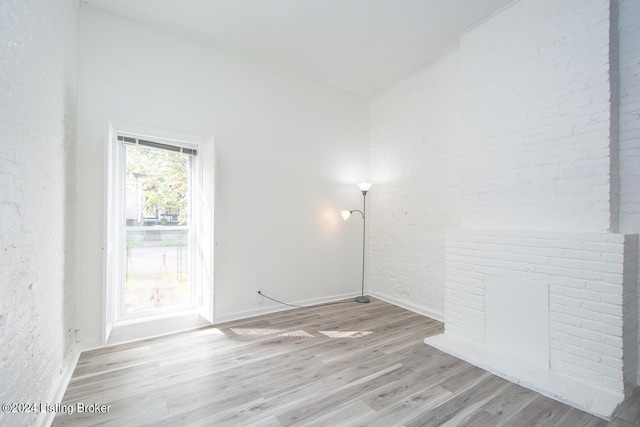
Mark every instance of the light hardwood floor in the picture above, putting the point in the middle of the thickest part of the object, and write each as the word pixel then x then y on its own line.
pixel 334 365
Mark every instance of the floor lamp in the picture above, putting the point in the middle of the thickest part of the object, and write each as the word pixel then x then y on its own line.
pixel 364 187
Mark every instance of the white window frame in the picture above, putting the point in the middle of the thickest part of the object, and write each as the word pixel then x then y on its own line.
pixel 121 317
pixel 202 235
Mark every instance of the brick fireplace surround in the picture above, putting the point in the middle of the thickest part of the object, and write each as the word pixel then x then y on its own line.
pixel 553 311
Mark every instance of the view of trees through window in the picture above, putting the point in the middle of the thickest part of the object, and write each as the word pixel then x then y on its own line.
pixel 157 229
pixel 159 181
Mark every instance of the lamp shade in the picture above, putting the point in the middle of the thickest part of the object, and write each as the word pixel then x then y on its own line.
pixel 364 186
pixel 345 214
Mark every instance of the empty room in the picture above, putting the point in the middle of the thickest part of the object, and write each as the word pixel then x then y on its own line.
pixel 319 213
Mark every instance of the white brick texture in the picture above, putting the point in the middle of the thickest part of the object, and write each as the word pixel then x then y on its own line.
pixel 520 129
pixel 38 81
pixel 629 116
pixel 630 314
pixel 535 118
pixel 586 291
pixel 511 131
pixel 414 199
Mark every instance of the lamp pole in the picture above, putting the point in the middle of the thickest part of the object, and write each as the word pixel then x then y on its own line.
pixel 362 297
pixel 364 187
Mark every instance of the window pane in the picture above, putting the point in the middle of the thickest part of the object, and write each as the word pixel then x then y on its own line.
pixel 157 230
pixel 156 269
pixel 157 187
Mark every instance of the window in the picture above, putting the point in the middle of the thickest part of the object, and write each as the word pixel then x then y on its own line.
pixel 159 228
pixel 158 231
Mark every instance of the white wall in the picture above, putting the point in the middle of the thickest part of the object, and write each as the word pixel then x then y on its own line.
pixel 534 142
pixel 289 150
pixel 511 131
pixel 629 53
pixel 38 107
pixel 517 130
pixel 413 127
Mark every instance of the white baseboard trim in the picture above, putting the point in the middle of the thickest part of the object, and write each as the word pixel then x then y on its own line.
pixel 586 397
pixel 143 330
pixel 275 308
pixel 60 386
pixel 433 314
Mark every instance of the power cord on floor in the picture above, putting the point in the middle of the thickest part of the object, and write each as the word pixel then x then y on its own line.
pixel 280 302
pixel 300 306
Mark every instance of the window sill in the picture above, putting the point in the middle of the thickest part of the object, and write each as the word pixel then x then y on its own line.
pixel 155 327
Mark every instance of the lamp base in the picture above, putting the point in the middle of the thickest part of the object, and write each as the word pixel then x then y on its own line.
pixel 362 298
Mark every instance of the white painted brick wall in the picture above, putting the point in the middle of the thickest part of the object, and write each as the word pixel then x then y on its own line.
pixel 38 81
pixel 414 197
pixel 512 131
pixel 534 127
pixel 629 114
pixel 586 277
pixel 630 313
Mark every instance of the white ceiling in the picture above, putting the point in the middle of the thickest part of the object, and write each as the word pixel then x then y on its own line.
pixel 359 45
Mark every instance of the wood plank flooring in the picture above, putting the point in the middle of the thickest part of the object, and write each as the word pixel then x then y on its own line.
pixel 344 364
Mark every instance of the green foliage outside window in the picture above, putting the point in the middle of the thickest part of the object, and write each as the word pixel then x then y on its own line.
pixel 161 178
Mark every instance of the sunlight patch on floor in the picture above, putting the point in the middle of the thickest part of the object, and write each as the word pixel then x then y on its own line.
pixel 346 334
pixel 255 332
pixel 261 332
